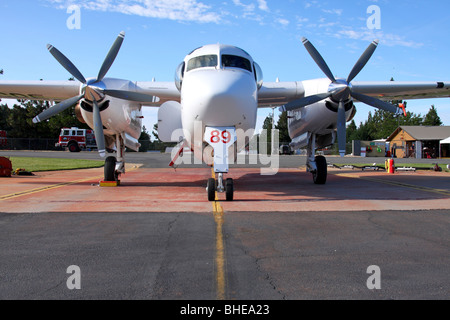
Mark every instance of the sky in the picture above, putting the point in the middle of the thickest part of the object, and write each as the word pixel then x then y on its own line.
pixel 414 41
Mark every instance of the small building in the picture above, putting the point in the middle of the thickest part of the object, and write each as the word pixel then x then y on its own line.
pixel 420 142
pixel 445 148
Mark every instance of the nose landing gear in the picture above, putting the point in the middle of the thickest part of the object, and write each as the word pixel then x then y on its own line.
pixel 220 138
pixel 219 186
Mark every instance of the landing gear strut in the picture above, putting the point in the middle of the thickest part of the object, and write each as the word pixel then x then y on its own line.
pixel 317 165
pixel 220 139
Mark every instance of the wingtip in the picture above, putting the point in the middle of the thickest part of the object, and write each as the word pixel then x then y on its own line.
pixel 122 34
pixel 36 119
pixel 49 46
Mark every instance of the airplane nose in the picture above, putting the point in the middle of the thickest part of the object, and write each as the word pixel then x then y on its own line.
pixel 220 97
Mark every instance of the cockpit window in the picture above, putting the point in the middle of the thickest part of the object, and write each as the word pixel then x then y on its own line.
pixel 201 62
pixel 236 62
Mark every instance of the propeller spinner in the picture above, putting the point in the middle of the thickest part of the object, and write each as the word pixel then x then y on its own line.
pixel 340 90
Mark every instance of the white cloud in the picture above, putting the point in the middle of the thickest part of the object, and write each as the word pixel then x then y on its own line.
pixel 262 5
pixel 388 39
pixel 283 22
pixel 247 7
pixel 179 10
pixel 333 11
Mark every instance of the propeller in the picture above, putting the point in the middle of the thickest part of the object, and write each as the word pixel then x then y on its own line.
pixel 98 128
pixel 340 90
pixel 89 91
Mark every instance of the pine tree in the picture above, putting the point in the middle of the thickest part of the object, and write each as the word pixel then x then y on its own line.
pixel 268 135
pixel 432 118
pixel 282 126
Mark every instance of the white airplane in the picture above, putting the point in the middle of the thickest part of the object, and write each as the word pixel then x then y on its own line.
pixel 214 101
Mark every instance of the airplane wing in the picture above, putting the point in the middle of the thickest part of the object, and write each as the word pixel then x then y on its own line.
pixel 62 90
pixel 274 94
pixel 39 90
pixel 165 91
pixel 394 90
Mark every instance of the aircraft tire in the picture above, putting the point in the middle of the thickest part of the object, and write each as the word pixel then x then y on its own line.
pixel 110 168
pixel 229 189
pixel 211 188
pixel 320 176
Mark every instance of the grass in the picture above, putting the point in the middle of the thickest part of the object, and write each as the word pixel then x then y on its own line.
pixel 51 164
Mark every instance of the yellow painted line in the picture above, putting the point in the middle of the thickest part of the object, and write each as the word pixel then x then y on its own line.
pixel 396 183
pixel 220 247
pixel 36 190
pixel 54 186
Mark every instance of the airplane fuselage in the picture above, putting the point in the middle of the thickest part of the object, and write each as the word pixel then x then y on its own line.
pixel 218 89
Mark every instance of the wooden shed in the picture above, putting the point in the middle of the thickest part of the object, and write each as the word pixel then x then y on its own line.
pixel 420 142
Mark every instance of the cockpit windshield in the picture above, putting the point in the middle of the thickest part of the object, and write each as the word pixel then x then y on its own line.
pixel 236 62
pixel 201 62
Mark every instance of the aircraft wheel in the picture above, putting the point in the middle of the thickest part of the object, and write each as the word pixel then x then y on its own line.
pixel 320 176
pixel 110 169
pixel 229 189
pixel 211 189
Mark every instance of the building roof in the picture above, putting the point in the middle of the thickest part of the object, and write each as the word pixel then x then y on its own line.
pixel 422 133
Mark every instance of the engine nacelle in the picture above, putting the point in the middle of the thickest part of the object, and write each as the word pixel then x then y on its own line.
pixel 78 113
pixel 118 115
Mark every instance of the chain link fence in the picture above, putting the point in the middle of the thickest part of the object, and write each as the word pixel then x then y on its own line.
pixel 49 144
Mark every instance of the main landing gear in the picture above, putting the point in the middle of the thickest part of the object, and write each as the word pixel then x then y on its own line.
pixel 219 186
pixel 114 167
pixel 317 165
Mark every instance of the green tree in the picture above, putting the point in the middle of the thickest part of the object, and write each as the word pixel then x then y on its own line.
pixel 267 125
pixel 282 126
pixel 351 131
pixel 19 120
pixel 155 132
pixel 4 113
pixel 144 140
pixel 432 118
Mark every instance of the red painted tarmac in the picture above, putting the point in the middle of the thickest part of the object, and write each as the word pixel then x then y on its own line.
pixel 183 190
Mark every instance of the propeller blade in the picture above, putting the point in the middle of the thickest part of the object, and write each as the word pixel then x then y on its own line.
pixel 98 128
pixel 300 103
pixel 111 56
pixel 57 108
pixel 66 63
pixel 318 59
pixel 130 95
pixel 375 102
pixel 341 130
pixel 360 64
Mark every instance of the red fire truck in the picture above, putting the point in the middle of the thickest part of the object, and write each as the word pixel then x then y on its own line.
pixel 76 139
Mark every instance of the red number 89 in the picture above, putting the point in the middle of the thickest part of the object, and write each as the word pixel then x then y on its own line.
pixel 216 136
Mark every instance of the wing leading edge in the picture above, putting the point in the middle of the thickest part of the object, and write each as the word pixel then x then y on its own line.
pixel 395 90
pixel 39 90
